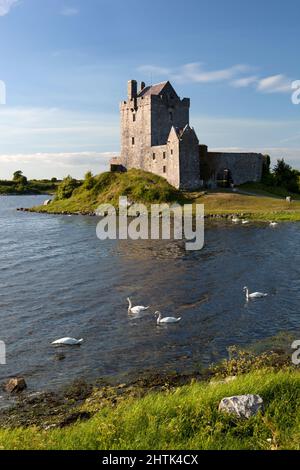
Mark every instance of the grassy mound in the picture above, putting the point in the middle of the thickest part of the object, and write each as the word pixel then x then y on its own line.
pixel 137 185
pixel 184 418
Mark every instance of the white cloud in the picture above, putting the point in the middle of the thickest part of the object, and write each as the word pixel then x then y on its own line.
pixel 237 76
pixel 275 84
pixel 195 72
pixel 6 5
pixel 38 136
pixel 58 164
pixel 70 11
pixel 245 81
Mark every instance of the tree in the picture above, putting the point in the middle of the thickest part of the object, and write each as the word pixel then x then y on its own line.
pixel 66 188
pixel 285 176
pixel 267 176
pixel 19 178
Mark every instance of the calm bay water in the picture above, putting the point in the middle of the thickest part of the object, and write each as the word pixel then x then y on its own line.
pixel 57 279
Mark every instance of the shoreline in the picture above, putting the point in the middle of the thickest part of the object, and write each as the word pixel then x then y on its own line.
pixel 252 217
pixel 80 400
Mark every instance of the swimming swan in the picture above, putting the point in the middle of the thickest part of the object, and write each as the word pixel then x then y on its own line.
pixel 255 295
pixel 68 342
pixel 273 224
pixel 135 310
pixel 161 320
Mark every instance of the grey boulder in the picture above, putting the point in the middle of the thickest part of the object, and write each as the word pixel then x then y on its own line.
pixel 243 406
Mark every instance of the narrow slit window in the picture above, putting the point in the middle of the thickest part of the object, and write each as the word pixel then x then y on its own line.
pixel 153 156
pixel 132 140
pixel 165 169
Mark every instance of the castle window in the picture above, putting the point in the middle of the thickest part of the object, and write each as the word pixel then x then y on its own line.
pixel 165 169
pixel 134 117
pixel 132 141
pixel 171 151
pixel 164 154
pixel 153 156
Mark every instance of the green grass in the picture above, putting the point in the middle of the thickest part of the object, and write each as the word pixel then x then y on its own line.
pixel 137 185
pixel 147 188
pixel 264 208
pixel 265 190
pixel 185 418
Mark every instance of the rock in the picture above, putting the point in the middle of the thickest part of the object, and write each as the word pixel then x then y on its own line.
pixel 243 406
pixel 15 385
pixel 47 202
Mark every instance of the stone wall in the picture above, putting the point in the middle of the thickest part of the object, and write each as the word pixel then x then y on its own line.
pixel 135 124
pixel 244 167
pixel 189 160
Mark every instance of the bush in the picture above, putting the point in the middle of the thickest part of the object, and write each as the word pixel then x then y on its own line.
pixel 66 188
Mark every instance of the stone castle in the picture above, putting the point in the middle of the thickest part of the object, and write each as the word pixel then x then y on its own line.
pixel 156 136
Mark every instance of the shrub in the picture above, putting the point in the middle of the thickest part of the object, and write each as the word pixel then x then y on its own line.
pixel 66 188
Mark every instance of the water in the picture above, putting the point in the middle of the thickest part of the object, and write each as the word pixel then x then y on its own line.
pixel 57 279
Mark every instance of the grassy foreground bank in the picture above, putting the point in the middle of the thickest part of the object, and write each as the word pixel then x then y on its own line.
pixel 250 201
pixel 186 417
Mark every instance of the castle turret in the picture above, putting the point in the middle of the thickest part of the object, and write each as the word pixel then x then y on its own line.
pixel 142 86
pixel 132 89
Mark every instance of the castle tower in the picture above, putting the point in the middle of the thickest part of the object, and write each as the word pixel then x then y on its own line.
pixel 148 117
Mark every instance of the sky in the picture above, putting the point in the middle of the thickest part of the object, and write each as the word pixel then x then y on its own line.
pixel 64 67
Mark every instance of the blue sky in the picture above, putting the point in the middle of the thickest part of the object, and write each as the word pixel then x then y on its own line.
pixel 65 65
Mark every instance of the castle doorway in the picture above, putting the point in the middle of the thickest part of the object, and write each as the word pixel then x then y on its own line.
pixel 224 178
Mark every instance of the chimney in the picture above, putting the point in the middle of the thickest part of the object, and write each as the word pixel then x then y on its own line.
pixel 132 89
pixel 143 85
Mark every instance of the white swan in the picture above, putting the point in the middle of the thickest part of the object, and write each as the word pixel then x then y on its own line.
pixel 161 320
pixel 245 222
pixel 235 220
pixel 273 224
pixel 254 295
pixel 68 341
pixel 135 310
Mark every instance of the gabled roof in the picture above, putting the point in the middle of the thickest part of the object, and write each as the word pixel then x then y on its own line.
pixel 180 132
pixel 156 89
